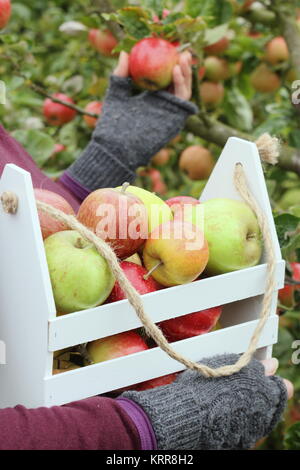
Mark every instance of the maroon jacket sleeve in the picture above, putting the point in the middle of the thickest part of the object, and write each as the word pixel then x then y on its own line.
pixel 12 152
pixel 93 424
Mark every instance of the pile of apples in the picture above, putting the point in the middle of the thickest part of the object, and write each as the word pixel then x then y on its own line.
pixel 159 243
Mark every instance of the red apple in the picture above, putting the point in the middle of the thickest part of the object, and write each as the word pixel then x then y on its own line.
pixel 295 271
pixel 286 295
pixel 57 114
pixel 190 325
pixel 153 383
pixel 216 69
pixel 162 157
pixel 197 162
pixel 151 63
pixel 118 217
pixel 277 51
pixel 48 224
pixel 217 47
pixel 93 107
pixel 135 275
pixel 179 203
pixel 5 12
pixel 103 41
pixel 264 80
pixel 212 93
pixel 119 345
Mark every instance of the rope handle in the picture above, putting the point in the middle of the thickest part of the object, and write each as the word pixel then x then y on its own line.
pixel 134 297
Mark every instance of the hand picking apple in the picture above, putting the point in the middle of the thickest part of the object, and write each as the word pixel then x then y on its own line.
pixel 189 412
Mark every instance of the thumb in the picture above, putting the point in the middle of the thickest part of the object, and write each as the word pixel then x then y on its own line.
pixel 122 69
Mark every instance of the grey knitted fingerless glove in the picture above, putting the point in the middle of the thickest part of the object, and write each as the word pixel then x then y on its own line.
pixel 131 129
pixel 214 414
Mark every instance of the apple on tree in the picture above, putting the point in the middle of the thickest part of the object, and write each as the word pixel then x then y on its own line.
pixel 217 47
pixel 118 217
pixel 5 12
pixel 151 63
pixel 264 80
pixel 57 114
pixel 212 93
pixel 48 224
pixel 197 162
pixel 277 51
pixel 80 276
pixel 103 41
pixel 92 107
pixel 175 253
pixel 286 295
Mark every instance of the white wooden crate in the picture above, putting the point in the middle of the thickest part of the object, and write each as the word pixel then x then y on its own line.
pixel 31 331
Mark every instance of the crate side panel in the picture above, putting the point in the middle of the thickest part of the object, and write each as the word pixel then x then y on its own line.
pixel 135 368
pixel 106 320
pixel 26 297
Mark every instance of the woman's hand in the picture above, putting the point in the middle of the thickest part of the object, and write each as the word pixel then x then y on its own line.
pixel 182 74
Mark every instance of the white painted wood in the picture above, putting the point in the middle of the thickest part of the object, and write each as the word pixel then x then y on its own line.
pixel 114 318
pixel 31 331
pixel 128 370
pixel 26 301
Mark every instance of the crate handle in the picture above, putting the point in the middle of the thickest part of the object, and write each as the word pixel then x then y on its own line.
pixel 268 148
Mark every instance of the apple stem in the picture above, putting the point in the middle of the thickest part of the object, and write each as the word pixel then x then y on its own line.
pixel 124 187
pixel 146 276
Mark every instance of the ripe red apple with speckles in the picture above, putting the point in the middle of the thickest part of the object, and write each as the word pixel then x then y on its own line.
pixel 151 63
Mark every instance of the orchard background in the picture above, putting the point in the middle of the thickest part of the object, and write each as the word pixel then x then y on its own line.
pixel 244 81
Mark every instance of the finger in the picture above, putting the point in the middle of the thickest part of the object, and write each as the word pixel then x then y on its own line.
pixel 185 65
pixel 179 83
pixel 270 365
pixel 122 69
pixel 289 387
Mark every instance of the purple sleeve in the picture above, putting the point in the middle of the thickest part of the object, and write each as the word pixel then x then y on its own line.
pixel 96 423
pixel 12 152
pixel 142 422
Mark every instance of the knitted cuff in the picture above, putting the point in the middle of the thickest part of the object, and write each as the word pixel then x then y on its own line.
pixel 174 104
pixel 96 168
pixel 173 413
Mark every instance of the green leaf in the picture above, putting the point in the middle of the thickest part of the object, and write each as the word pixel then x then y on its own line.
pixel 38 144
pixel 238 110
pixel 126 44
pixel 292 437
pixel 156 5
pixel 285 225
pixel 215 34
pixel 215 12
pixel 134 20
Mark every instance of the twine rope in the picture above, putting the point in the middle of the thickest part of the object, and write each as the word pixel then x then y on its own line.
pixel 135 299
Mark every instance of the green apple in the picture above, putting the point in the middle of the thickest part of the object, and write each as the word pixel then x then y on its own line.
pixel 290 198
pixel 158 211
pixel 232 232
pixel 80 276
